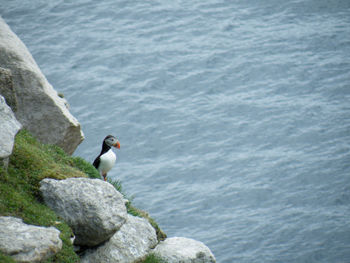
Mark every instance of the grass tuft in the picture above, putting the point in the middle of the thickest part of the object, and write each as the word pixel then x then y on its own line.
pixel 152 258
pixel 85 167
pixel 6 259
pixel 118 186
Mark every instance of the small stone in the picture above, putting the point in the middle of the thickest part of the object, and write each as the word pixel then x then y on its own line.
pixel 28 243
pixel 184 250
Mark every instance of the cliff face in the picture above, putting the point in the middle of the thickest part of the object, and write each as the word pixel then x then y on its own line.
pixel 61 198
pixel 39 109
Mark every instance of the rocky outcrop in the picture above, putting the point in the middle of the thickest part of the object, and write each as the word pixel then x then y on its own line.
pixel 8 130
pixel 39 108
pixel 27 243
pixel 184 250
pixel 130 244
pixel 97 214
pixel 91 207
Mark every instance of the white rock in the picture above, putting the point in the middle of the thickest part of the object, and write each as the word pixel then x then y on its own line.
pixel 130 244
pixel 40 109
pixel 8 130
pixel 28 243
pixel 94 209
pixel 184 250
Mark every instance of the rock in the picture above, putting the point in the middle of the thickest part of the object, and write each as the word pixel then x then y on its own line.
pixel 94 209
pixel 130 244
pixel 8 130
pixel 39 109
pixel 6 88
pixel 28 243
pixel 184 250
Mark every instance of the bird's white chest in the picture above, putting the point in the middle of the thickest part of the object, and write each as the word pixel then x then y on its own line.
pixel 107 161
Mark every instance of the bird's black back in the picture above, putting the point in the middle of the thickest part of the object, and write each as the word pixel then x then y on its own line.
pixel 105 148
pixel 96 163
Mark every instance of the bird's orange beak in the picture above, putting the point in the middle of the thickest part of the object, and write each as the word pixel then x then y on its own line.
pixel 117 145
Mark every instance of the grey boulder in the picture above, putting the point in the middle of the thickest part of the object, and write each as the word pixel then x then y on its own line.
pixel 39 108
pixel 184 250
pixel 8 130
pixel 28 243
pixel 130 244
pixel 94 209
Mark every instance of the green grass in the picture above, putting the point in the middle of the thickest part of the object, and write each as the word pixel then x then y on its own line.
pixel 20 197
pixel 152 258
pixel 85 167
pixel 6 259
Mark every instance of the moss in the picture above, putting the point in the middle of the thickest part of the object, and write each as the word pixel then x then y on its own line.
pixel 6 259
pixel 152 258
pixel 85 167
pixel 37 161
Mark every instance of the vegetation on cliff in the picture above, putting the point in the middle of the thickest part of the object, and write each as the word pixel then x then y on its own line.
pixel 20 197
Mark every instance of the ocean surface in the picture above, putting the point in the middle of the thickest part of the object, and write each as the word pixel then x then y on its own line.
pixel 233 116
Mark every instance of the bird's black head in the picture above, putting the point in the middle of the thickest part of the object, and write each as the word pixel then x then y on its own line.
pixel 110 141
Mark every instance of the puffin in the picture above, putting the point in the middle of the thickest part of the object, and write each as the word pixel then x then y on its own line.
pixel 106 159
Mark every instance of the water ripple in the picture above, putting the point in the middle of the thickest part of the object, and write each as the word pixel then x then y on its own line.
pixel 233 115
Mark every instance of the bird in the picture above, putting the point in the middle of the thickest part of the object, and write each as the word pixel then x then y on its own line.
pixel 106 159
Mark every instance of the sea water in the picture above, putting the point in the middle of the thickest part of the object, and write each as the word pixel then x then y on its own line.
pixel 233 116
